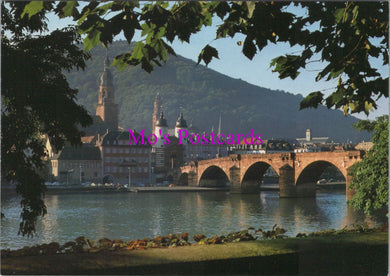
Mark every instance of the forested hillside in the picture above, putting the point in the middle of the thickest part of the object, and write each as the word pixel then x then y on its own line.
pixel 202 94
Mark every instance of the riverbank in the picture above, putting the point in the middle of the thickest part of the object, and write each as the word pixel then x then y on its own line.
pixel 343 253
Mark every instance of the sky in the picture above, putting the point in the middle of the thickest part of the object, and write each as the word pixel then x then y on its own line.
pixel 233 63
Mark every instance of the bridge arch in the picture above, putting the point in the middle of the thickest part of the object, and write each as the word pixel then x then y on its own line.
pixel 252 177
pixel 313 171
pixel 213 176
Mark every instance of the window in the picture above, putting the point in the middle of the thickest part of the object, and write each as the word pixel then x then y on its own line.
pixel 107 150
pixel 95 174
pixel 114 150
pixel 127 150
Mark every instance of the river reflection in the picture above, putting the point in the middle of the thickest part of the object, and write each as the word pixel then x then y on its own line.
pixel 129 216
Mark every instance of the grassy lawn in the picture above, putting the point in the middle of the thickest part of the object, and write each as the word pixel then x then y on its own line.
pixel 343 254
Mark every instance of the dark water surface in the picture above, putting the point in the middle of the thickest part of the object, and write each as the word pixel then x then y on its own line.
pixel 129 216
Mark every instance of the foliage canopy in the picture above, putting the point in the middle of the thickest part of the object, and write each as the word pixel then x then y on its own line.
pixel 371 175
pixel 345 36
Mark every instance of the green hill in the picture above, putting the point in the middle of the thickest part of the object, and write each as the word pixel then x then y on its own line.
pixel 203 94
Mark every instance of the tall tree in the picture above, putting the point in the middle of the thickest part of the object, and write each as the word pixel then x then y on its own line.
pixel 36 100
pixel 371 175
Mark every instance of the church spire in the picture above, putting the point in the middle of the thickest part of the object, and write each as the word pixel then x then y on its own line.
pixel 107 109
pixel 106 62
pixel 106 78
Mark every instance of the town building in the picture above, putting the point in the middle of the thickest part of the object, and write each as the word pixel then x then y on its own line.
pixel 365 146
pixel 309 140
pixel 247 146
pixel 191 151
pixel 76 165
pixel 123 162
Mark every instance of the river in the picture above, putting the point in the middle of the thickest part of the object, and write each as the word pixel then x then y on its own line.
pixel 129 216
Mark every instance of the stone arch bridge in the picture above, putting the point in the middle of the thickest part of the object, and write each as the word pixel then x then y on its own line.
pixel 298 172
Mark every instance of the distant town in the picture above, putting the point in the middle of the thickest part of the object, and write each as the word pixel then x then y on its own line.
pixel 107 158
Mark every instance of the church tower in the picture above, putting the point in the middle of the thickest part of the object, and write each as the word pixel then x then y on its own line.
pixel 107 109
pixel 181 124
pixel 157 111
pixel 160 131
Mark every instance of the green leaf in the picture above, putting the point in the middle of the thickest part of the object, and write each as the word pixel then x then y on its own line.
pixel 367 107
pixel 338 15
pixel 207 54
pixel 249 48
pixel 355 13
pixel 92 39
pixel 128 31
pixel 120 61
pixel 353 106
pixel 334 75
pixel 69 7
pixel 278 60
pixel 311 100
pixel 251 5
pixel 222 9
pixel 137 53
pixel 32 8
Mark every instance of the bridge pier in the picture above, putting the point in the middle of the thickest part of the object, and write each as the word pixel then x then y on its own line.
pixel 192 179
pixel 235 185
pixel 287 187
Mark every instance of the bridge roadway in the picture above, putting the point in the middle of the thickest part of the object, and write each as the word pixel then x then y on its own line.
pixel 298 172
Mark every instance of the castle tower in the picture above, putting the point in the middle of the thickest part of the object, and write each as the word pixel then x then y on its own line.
pixel 107 109
pixel 180 124
pixel 157 111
